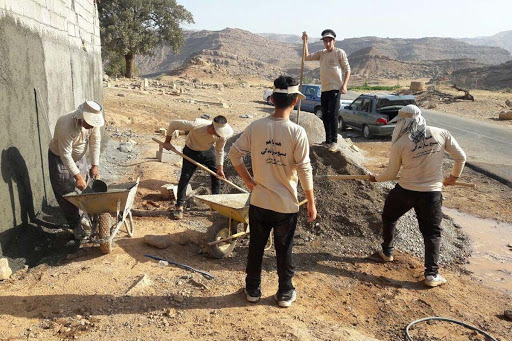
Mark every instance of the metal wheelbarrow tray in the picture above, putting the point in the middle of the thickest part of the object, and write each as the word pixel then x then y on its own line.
pixel 98 209
pixel 223 233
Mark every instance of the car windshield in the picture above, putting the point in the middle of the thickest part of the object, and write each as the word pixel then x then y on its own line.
pixel 393 104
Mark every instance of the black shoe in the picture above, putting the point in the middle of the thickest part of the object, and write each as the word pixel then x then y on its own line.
pixel 325 143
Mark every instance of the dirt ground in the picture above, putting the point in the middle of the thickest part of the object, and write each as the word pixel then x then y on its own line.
pixel 125 295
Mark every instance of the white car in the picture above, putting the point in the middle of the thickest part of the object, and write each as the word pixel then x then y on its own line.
pixel 267 96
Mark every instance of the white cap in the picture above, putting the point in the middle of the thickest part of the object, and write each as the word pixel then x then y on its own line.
pixel 92 113
pixel 290 90
pixel 223 130
pixel 409 111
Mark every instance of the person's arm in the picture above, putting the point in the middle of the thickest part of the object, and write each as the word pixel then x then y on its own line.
pixel 94 152
pixel 311 205
pixel 238 150
pixel 173 126
pixel 307 56
pixel 346 69
pixel 219 156
pixel 65 144
pixel 305 172
pixel 394 164
pixel 459 158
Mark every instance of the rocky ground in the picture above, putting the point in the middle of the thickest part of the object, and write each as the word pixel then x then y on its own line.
pixel 341 294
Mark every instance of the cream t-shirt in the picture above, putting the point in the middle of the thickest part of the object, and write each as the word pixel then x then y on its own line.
pixel 331 64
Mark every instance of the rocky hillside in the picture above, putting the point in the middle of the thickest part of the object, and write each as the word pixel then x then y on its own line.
pixel 489 77
pixel 502 39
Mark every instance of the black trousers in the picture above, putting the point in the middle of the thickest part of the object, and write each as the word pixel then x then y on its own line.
pixel 427 206
pixel 262 221
pixel 329 101
pixel 64 183
pixel 206 158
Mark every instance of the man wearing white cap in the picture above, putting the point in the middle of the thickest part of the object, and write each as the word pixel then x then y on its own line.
pixel 203 134
pixel 419 150
pixel 332 61
pixel 74 132
pixel 279 152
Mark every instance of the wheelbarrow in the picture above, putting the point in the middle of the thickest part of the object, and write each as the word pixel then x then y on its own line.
pixel 106 212
pixel 234 209
pixel 223 234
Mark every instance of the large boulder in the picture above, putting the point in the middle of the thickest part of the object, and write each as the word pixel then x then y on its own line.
pixel 5 270
pixel 312 124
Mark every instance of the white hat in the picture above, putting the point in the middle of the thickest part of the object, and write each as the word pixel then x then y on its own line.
pixel 409 111
pixel 92 113
pixel 223 130
pixel 290 90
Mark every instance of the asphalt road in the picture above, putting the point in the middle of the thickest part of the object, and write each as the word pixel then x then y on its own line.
pixel 488 147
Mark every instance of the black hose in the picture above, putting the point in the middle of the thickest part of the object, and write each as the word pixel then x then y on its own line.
pixel 409 338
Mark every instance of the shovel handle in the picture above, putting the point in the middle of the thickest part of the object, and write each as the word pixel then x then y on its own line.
pixel 367 177
pixel 200 166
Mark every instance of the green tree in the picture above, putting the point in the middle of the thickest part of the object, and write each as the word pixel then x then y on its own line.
pixel 135 27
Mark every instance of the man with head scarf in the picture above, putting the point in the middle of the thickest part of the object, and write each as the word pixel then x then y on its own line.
pixel 74 132
pixel 419 150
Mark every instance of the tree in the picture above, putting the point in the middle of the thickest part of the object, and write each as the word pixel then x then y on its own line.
pixel 135 27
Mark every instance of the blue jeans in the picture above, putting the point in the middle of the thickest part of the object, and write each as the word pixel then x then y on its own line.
pixel 262 221
pixel 427 206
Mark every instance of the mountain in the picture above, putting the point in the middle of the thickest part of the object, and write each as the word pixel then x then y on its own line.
pixel 488 77
pixel 502 39
pixel 283 38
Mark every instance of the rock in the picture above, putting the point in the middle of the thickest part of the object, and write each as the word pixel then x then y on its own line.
pixel 125 147
pixel 508 103
pixel 505 116
pixel 508 314
pixel 121 95
pixel 5 270
pixel 143 282
pixel 158 241
pixel 417 86
pixel 178 298
pixel 205 116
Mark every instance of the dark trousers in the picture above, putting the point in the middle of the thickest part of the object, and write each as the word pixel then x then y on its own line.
pixel 261 222
pixel 329 101
pixel 427 206
pixel 63 183
pixel 206 158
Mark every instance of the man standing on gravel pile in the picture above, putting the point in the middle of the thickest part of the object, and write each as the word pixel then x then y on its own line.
pixel 279 153
pixel 203 134
pixel 419 149
pixel 67 164
pixel 332 61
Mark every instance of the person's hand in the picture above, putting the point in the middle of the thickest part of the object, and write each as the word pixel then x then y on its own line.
pixel 305 36
pixel 94 172
pixel 220 173
pixel 311 212
pixel 372 178
pixel 450 180
pixel 250 184
pixel 168 146
pixel 80 182
pixel 343 89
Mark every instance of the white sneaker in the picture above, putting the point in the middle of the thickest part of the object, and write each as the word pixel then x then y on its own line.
pixel 250 298
pixel 384 257
pixel 333 147
pixel 434 281
pixel 285 301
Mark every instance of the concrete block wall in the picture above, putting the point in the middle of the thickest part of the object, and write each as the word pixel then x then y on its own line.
pixel 52 46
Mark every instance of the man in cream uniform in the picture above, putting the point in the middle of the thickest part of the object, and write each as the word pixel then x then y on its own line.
pixel 419 150
pixel 74 133
pixel 203 134
pixel 279 152
pixel 332 61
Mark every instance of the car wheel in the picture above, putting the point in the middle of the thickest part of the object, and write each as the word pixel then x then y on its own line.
pixel 269 100
pixel 318 112
pixel 341 124
pixel 366 132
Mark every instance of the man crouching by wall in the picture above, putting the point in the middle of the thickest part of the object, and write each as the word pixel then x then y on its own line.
pixel 279 151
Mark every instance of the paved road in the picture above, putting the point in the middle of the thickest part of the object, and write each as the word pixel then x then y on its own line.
pixel 488 147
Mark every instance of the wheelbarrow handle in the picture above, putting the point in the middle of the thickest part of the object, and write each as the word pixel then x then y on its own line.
pixel 183 266
pixel 201 166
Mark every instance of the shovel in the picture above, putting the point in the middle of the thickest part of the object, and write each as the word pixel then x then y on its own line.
pixel 367 177
pixel 201 166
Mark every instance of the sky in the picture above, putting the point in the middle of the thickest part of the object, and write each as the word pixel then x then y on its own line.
pixel 356 18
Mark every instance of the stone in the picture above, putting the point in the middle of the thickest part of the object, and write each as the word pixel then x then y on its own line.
pixel 121 95
pixel 143 282
pixel 508 314
pixel 505 116
pixel 169 191
pixel 158 241
pixel 417 86
pixel 125 147
pixel 5 270
pixel 508 103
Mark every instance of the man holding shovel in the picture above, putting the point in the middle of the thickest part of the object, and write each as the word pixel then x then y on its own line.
pixel 67 164
pixel 279 152
pixel 203 134
pixel 419 150
pixel 332 61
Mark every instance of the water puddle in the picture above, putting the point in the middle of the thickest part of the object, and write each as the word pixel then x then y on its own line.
pixel 491 260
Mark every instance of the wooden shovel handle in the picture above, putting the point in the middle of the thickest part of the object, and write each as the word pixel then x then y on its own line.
pixel 367 177
pixel 200 165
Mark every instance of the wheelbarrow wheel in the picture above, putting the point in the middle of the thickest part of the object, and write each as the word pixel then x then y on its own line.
pixel 104 224
pixel 217 231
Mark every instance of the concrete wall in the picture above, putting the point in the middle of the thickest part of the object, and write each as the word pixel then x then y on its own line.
pixel 52 46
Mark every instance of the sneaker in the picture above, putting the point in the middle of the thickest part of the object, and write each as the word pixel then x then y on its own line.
pixel 252 297
pixel 434 281
pixel 333 147
pixel 178 213
pixel 285 301
pixel 325 143
pixel 79 233
pixel 384 257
